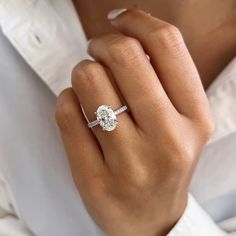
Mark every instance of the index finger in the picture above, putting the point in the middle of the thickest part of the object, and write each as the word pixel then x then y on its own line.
pixel 169 56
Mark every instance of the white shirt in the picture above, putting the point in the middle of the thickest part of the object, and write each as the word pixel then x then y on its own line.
pixel 41 42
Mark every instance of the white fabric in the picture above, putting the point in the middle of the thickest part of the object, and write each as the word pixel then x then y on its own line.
pixel 46 34
pixel 36 191
pixel 195 222
pixel 10 225
pixel 44 197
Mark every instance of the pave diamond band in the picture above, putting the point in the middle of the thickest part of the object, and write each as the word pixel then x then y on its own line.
pixel 106 117
pixel 120 110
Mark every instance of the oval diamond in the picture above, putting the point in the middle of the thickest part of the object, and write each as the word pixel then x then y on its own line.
pixel 106 117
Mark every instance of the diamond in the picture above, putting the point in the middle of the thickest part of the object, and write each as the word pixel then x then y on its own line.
pixel 106 117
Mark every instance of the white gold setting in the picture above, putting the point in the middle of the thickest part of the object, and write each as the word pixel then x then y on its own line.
pixel 106 117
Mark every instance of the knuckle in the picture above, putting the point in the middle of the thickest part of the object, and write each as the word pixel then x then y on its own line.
pixel 142 179
pixel 139 177
pixel 169 37
pixel 178 166
pixel 185 152
pixel 180 158
pixel 124 50
pixel 207 128
pixel 86 72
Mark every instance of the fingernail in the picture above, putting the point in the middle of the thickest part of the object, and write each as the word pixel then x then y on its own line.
pixel 114 13
pixel 89 41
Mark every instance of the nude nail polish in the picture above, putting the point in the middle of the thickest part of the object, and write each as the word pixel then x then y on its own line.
pixel 114 13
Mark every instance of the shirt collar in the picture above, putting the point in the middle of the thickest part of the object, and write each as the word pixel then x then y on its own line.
pixel 51 39
pixel 48 35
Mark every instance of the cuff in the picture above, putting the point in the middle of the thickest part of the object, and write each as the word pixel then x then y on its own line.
pixel 195 222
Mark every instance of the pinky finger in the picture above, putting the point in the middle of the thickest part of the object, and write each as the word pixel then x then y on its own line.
pixel 83 151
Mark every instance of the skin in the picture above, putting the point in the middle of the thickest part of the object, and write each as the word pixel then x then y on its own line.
pixel 201 22
pixel 134 180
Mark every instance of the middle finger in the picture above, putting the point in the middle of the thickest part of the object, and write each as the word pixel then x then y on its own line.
pixel 134 76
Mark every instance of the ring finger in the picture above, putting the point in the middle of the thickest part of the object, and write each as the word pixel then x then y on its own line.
pixel 93 88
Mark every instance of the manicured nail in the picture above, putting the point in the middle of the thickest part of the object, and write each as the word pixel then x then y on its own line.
pixel 89 41
pixel 88 44
pixel 114 13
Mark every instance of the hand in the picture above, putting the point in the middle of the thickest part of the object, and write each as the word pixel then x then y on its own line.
pixel 134 180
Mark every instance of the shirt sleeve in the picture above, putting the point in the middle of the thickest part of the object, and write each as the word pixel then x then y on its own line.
pixel 196 222
pixel 10 224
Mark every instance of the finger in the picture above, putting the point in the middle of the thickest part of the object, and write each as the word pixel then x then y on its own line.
pixel 82 148
pixel 134 76
pixel 93 88
pixel 169 56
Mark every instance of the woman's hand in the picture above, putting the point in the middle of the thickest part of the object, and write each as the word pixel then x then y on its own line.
pixel 134 180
